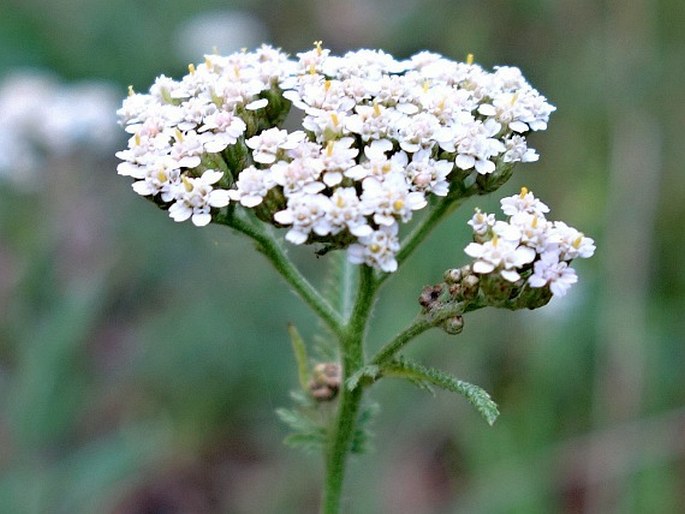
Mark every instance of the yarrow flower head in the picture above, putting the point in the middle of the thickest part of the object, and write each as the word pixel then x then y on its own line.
pixel 527 247
pixel 380 138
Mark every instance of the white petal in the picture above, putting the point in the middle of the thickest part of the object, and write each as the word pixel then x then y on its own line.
pixel 251 201
pixel 202 219
pixel 284 217
pixel 485 167
pixel 518 126
pixel 465 162
pixel 219 198
pixel 474 250
pixel 295 236
pixel 180 212
pixel 510 275
pixel 482 267
pixel 257 104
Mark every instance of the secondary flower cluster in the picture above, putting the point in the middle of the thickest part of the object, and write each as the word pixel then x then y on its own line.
pixel 527 244
pixel 44 119
pixel 379 136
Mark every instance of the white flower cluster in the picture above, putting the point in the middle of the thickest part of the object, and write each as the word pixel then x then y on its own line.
pixel 527 243
pixel 379 135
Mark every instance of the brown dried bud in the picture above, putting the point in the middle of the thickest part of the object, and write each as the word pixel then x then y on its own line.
pixel 429 296
pixel 455 291
pixel 325 382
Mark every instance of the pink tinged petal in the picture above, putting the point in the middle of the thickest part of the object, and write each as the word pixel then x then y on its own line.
pixel 202 219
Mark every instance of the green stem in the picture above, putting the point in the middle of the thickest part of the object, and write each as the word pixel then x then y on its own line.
pixel 352 359
pixel 273 251
pixel 421 323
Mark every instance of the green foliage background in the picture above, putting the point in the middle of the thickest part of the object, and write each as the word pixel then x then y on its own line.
pixel 141 361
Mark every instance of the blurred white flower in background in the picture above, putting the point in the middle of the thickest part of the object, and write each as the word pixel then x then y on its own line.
pixel 225 31
pixel 44 118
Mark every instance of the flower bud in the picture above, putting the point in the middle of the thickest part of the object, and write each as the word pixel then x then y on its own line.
pixel 470 285
pixel 325 382
pixel 452 276
pixel 453 325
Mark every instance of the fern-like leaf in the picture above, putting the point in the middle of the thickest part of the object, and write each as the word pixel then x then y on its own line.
pixel 427 377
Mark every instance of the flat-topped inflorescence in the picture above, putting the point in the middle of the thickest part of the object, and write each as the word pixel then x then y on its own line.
pixel 379 137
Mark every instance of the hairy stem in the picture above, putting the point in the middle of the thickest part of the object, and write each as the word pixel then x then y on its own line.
pixel 421 323
pixel 352 350
pixel 273 251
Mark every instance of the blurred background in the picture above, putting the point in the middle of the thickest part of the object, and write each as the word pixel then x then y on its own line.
pixel 141 360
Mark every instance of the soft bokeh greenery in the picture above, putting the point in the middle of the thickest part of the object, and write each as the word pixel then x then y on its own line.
pixel 141 360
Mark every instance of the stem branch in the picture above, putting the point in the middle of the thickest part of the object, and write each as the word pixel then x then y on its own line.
pixel 421 323
pixel 273 251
